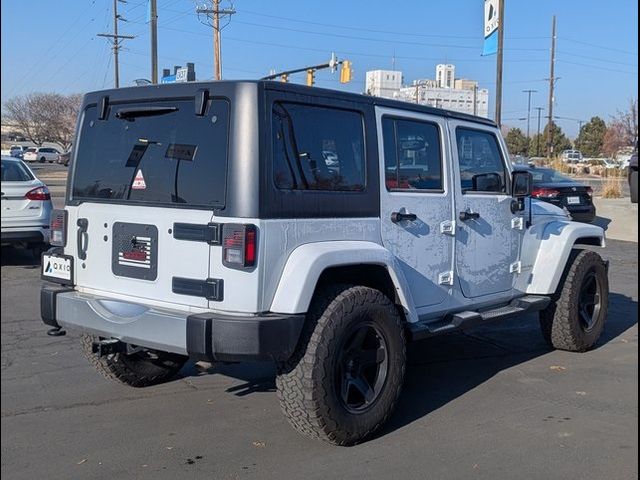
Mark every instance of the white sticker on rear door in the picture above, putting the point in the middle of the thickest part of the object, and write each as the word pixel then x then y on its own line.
pixel 138 182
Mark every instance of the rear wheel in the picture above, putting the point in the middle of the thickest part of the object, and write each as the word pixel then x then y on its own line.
pixel 633 186
pixel 140 369
pixel 343 382
pixel 575 318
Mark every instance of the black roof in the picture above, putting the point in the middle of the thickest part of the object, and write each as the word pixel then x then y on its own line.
pixel 149 91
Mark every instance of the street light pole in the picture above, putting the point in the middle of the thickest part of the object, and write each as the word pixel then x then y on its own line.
pixel 529 92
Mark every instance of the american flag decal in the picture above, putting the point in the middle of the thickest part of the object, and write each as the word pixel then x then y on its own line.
pixel 135 252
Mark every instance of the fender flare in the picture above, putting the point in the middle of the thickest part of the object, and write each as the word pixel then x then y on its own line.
pixel 307 262
pixel 554 245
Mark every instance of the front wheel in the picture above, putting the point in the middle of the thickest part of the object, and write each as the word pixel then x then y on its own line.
pixel 345 378
pixel 575 318
pixel 42 160
pixel 140 369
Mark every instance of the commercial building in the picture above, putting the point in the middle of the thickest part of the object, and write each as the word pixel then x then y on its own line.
pixel 446 91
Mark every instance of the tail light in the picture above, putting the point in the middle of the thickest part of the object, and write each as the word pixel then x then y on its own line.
pixel 39 193
pixel 58 228
pixel 590 191
pixel 239 246
pixel 545 193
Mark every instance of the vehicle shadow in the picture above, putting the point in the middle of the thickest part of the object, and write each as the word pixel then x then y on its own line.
pixel 444 368
pixel 21 257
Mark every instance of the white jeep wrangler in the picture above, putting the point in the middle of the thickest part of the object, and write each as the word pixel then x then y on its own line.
pixel 322 230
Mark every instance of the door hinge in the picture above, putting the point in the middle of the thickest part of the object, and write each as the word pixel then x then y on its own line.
pixel 446 278
pixel 517 223
pixel 515 267
pixel 448 227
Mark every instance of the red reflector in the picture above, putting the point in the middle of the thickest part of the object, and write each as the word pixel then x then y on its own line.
pixel 249 247
pixel 590 191
pixel 39 193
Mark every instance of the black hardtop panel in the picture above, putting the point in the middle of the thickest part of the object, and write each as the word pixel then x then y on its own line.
pixel 229 88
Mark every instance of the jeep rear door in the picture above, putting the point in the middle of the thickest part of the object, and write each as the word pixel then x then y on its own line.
pixel 416 205
pixel 144 176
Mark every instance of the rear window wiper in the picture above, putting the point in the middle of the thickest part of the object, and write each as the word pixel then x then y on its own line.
pixel 134 112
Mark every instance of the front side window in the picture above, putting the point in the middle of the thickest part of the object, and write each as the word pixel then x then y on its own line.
pixel 412 155
pixel 317 148
pixel 481 165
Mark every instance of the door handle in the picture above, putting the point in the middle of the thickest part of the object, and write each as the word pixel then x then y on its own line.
pixel 400 217
pixel 467 215
pixel 82 238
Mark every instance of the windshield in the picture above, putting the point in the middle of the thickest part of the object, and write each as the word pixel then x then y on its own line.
pixel 154 153
pixel 15 172
pixel 548 175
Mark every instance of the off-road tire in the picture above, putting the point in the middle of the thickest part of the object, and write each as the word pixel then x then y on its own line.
pixel 136 370
pixel 633 186
pixel 560 322
pixel 306 382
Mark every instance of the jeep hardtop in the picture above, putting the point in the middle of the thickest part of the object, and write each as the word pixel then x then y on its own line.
pixel 322 230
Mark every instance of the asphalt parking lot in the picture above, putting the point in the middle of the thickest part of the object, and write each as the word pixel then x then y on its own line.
pixel 491 403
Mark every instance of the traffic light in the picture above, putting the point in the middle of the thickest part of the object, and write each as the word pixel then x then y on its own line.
pixel 311 77
pixel 284 78
pixel 346 73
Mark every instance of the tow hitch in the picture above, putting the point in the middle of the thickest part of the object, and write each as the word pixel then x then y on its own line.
pixel 111 346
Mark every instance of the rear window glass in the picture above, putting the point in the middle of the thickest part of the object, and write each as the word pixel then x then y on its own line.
pixel 15 172
pixel 154 153
pixel 317 148
pixel 548 175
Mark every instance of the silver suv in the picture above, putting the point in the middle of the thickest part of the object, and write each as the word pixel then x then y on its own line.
pixel 321 230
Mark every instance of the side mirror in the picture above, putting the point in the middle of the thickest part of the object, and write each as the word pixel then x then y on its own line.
pixel 521 184
pixel 487 182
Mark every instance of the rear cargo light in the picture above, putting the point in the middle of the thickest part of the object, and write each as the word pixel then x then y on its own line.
pixel 545 193
pixel 58 228
pixel 239 245
pixel 39 193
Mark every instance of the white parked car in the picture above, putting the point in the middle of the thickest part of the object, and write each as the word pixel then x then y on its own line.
pixel 41 154
pixel 17 150
pixel 572 156
pixel 26 206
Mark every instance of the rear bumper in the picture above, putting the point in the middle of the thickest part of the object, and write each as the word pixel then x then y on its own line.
pixel 209 336
pixel 25 234
pixel 583 214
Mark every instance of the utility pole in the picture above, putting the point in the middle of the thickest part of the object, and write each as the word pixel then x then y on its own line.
pixel 115 40
pixel 552 81
pixel 498 115
pixel 154 40
pixel 539 109
pixel 214 14
pixel 529 92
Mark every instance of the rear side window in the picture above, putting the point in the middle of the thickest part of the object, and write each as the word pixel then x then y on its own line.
pixel 481 166
pixel 160 153
pixel 317 148
pixel 412 155
pixel 15 172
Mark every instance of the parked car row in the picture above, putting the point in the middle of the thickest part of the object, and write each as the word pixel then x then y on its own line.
pixel 40 154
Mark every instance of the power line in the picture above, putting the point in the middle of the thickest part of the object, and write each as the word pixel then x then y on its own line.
pixel 598 59
pixel 116 39
pixel 597 67
pixel 594 45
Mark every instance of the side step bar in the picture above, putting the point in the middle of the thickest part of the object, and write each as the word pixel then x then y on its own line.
pixel 467 319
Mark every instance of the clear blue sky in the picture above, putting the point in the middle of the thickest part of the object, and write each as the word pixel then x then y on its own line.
pixel 52 45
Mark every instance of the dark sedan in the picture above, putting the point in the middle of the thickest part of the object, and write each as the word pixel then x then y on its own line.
pixel 564 192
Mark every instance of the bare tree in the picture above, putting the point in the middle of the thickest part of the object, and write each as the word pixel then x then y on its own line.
pixel 44 117
pixel 628 121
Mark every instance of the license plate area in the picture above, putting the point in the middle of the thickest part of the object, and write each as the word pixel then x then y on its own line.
pixel 573 201
pixel 57 268
pixel 134 251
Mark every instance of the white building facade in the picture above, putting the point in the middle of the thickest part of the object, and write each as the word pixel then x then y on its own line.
pixel 460 95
